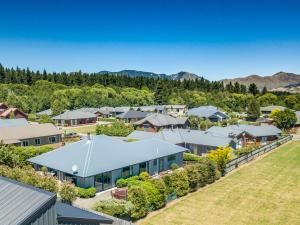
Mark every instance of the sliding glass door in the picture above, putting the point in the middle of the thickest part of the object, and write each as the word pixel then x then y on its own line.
pixel 103 181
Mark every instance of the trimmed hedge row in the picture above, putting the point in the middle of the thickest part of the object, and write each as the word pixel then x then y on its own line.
pixel 86 192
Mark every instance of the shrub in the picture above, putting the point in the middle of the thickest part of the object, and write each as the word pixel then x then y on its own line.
pixel 221 157
pixel 67 192
pixel 193 176
pixel 86 192
pixel 115 129
pixel 202 169
pixel 160 185
pixel 144 176
pixel 121 183
pixel 168 182
pixel 138 197
pixel 211 169
pixel 245 150
pixel 174 166
pixel 180 182
pixel 114 207
pixel 191 157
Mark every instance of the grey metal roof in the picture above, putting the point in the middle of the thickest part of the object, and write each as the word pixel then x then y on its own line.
pixel 132 114
pixel 206 112
pixel 121 109
pixel 174 106
pixel 90 110
pixel 256 131
pixel 178 136
pixel 67 214
pixel 75 114
pixel 272 107
pixel 161 120
pixel 21 203
pixel 298 117
pixel 103 154
pixel 151 108
pixel 45 112
pixel 13 122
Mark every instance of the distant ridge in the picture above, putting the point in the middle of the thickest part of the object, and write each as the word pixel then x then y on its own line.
pixel 280 79
pixel 135 73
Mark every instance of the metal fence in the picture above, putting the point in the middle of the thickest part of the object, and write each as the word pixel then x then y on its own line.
pixel 233 164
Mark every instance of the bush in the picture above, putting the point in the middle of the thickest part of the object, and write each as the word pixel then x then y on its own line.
pixel 68 192
pixel 212 170
pixel 191 157
pixel 174 166
pixel 121 183
pixel 114 207
pixel 115 129
pixel 221 157
pixel 168 182
pixel 180 182
pixel 245 150
pixel 204 178
pixel 86 192
pixel 194 176
pixel 144 176
pixel 138 197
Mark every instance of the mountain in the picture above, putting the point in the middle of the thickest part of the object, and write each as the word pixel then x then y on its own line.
pixel 277 80
pixel 135 73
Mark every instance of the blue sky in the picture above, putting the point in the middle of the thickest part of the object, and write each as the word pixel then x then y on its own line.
pixel 216 39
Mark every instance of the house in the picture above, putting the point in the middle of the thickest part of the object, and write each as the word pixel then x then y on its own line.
pixel 298 119
pixel 106 112
pixel 6 112
pixel 75 118
pixel 47 112
pixel 175 110
pixel 98 161
pixel 266 111
pixel 132 116
pixel 13 122
pixel 208 112
pixel 152 109
pixel 246 135
pixel 22 204
pixel 120 110
pixel 156 121
pixel 197 141
pixel 34 134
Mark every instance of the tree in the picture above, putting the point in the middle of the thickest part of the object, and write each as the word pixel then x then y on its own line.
pixel 57 107
pixel 264 90
pixel 285 119
pixel 193 175
pixel 221 156
pixel 253 110
pixel 180 182
pixel 138 197
pixel 253 89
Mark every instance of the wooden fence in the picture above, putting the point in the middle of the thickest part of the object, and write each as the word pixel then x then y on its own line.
pixel 233 164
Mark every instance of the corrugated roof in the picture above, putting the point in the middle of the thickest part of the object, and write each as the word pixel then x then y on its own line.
pixel 20 202
pixel 161 120
pixel 13 122
pixel 11 134
pixel 206 112
pixel 132 114
pixel 178 136
pixel 103 154
pixel 74 114
pixel 256 131
pixel 45 112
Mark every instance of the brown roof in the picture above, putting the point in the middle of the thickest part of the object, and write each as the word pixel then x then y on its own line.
pixel 11 135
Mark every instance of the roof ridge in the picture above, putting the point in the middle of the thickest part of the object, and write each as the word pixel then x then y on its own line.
pixel 88 157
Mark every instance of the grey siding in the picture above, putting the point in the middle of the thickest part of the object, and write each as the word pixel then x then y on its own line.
pixel 47 218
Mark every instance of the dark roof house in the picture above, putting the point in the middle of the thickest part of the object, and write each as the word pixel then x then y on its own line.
pixel 22 204
pixel 132 116
pixel 208 112
pixel 74 118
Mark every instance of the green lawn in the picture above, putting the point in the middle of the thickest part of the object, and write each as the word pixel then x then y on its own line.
pixel 81 129
pixel 266 191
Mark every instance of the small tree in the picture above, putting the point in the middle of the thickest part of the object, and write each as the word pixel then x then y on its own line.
pixel 285 119
pixel 180 182
pixel 221 156
pixel 253 89
pixel 138 197
pixel 68 192
pixel 193 175
pixel 253 110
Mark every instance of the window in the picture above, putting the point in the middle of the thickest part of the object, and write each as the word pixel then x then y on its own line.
pixel 37 141
pixel 52 139
pixel 143 167
pixel 155 162
pixel 126 172
pixel 25 143
pixel 171 157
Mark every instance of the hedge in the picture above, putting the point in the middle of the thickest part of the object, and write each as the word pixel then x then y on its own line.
pixel 115 129
pixel 86 192
pixel 180 182
pixel 115 207
pixel 191 157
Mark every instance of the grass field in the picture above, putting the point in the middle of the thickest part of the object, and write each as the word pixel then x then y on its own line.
pixel 266 191
pixel 81 129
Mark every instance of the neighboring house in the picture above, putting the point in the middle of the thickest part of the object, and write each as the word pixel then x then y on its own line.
pixel 98 161
pixel 22 204
pixel 13 122
pixel 152 109
pixel 245 135
pixel 47 112
pixel 266 111
pixel 208 112
pixel 6 112
pixel 75 118
pixel 106 112
pixel 198 142
pixel 176 110
pixel 35 134
pixel 298 119
pixel 131 116
pixel 154 122
pixel 120 110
